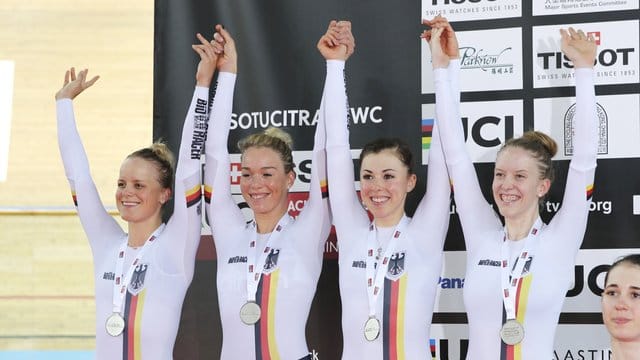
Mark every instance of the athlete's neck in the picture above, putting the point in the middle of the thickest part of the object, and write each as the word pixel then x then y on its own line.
pixel 388 221
pixel 140 232
pixel 624 350
pixel 518 228
pixel 267 222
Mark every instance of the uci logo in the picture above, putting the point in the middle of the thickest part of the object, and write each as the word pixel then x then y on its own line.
pixel 488 131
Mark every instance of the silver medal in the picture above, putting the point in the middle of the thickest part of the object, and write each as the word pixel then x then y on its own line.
pixel 114 324
pixel 512 332
pixel 371 329
pixel 250 313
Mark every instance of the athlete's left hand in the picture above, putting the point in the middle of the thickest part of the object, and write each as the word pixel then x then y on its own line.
pixel 448 39
pixel 578 47
pixel 226 48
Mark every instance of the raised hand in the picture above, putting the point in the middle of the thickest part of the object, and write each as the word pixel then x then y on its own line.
pixel 338 42
pixel 579 48
pixel 208 60
pixel 225 47
pixel 448 40
pixel 439 58
pixel 74 85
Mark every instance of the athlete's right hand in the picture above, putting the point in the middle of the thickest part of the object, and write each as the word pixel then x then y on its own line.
pixel 208 60
pixel 338 42
pixel 74 85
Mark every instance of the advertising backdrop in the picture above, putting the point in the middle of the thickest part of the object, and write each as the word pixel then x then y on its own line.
pixel 513 78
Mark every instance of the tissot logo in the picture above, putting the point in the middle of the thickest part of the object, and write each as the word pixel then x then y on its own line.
pixel 595 35
pixel 464 10
pixel 616 58
pixel 605 57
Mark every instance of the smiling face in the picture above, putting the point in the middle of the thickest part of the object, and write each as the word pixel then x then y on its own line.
pixel 384 184
pixel 140 196
pixel 621 303
pixel 517 186
pixel 264 183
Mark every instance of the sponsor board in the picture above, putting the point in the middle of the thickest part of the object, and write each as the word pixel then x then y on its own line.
pixel 489 60
pixel 636 204
pixel 588 282
pixel 296 202
pixel 451 282
pixel 6 101
pixel 300 117
pixel 618 126
pixel 486 126
pixel 616 58
pixel 302 159
pixel 464 10
pixel 555 7
pixel 585 342
pixel 584 295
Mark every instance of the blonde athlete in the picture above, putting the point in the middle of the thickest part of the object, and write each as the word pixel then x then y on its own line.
pixel 141 275
pixel 268 268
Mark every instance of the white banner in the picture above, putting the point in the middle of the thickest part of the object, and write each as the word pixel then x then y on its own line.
pixel 489 60
pixel 464 10
pixel 584 296
pixel 486 124
pixel 584 342
pixel 619 127
pixel 555 7
pixel 617 58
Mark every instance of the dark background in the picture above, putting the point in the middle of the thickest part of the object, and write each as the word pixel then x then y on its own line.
pixel 280 69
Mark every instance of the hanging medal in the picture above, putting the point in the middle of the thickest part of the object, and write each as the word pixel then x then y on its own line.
pixel 512 331
pixel 250 311
pixel 115 323
pixel 376 270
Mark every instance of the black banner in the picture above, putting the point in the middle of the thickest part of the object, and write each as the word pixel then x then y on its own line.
pixel 280 81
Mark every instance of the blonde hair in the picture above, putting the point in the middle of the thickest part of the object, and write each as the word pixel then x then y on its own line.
pixel 275 139
pixel 541 147
pixel 162 158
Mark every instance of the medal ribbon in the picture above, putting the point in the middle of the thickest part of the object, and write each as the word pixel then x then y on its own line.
pixel 511 278
pixel 121 281
pixel 377 269
pixel 254 274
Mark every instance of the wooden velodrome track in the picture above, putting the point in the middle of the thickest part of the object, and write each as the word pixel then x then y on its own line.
pixel 46 296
